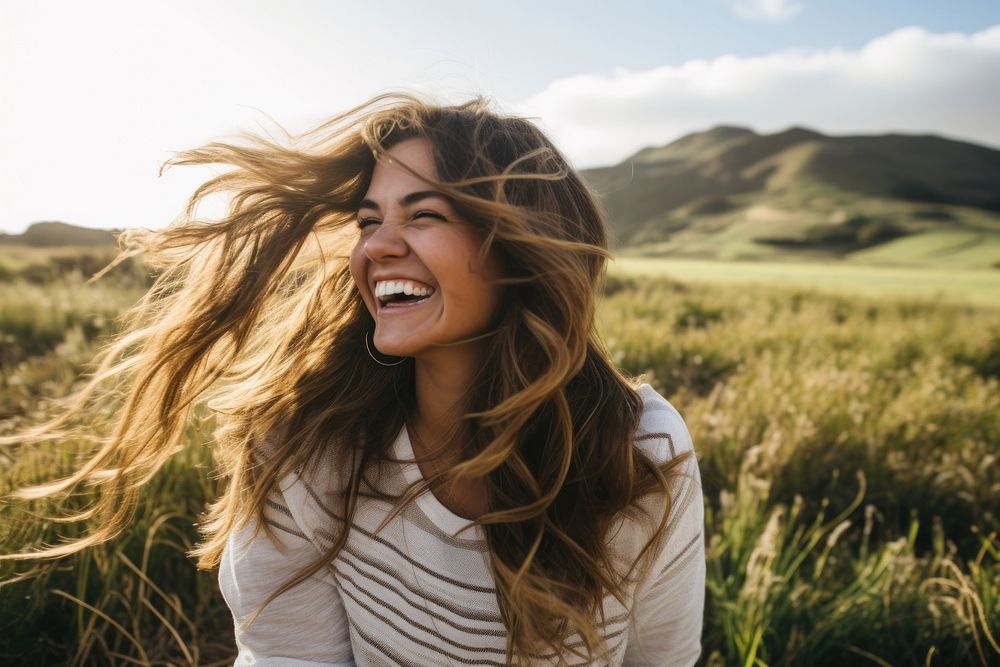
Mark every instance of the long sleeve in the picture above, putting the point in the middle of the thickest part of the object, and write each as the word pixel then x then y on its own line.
pixel 669 602
pixel 305 626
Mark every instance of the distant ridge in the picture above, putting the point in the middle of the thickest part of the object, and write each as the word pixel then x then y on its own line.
pixel 729 192
pixel 53 234
pixel 699 145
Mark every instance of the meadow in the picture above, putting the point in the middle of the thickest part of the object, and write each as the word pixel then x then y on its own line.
pixel 848 444
pixel 939 281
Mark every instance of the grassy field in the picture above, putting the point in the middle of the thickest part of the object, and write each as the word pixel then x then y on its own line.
pixel 952 249
pixel 930 283
pixel 847 440
pixel 817 219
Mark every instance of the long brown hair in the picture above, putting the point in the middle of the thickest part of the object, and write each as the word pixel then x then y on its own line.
pixel 256 316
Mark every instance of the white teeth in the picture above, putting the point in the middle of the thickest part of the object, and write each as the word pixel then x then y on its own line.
pixel 389 287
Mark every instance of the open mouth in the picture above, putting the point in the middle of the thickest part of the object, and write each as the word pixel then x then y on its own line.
pixel 401 295
pixel 402 301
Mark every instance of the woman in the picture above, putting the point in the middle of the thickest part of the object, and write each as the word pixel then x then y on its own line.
pixel 431 459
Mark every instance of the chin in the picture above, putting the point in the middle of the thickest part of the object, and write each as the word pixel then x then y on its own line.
pixel 395 348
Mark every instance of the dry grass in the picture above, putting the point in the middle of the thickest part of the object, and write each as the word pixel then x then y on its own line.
pixel 848 450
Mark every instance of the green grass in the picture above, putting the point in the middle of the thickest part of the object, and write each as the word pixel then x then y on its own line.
pixel 955 250
pixel 15 257
pixel 927 283
pixel 848 455
pixel 138 599
pixel 848 449
pixel 938 236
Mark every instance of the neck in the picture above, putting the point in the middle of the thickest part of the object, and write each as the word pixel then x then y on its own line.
pixel 441 384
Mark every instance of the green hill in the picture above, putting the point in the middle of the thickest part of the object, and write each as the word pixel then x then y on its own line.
pixel 56 234
pixel 730 193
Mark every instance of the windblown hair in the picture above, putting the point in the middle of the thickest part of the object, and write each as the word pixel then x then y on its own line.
pixel 256 316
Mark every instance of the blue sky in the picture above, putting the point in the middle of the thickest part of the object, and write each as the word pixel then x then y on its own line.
pixel 95 96
pixel 528 44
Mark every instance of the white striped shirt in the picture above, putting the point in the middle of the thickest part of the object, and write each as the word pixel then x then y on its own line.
pixel 421 592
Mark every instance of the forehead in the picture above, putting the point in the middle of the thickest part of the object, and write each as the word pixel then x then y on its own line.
pixel 390 175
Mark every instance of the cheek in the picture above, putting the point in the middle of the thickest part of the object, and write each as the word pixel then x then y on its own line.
pixel 482 293
pixel 479 279
pixel 357 266
pixel 357 261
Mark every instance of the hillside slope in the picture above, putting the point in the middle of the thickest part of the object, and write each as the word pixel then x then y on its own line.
pixel 56 234
pixel 732 193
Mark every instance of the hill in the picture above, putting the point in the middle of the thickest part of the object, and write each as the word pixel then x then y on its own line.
pixel 55 234
pixel 730 192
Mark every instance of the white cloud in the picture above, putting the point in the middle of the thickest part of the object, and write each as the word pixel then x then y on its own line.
pixel 908 80
pixel 773 11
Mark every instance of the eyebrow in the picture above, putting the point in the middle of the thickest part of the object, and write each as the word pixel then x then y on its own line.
pixel 407 200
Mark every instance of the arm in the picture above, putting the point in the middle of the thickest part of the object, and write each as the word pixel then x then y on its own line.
pixel 669 601
pixel 305 626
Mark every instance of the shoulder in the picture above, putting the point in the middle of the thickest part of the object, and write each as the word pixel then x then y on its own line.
pixel 662 434
pixel 306 497
pixel 668 598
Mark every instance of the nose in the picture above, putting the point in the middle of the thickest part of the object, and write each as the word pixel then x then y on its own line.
pixel 385 242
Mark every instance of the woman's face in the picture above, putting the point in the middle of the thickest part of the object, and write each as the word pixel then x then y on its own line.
pixel 411 238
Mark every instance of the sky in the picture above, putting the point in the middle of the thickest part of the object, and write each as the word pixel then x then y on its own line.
pixel 95 96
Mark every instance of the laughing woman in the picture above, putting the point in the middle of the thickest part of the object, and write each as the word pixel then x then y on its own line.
pixel 430 458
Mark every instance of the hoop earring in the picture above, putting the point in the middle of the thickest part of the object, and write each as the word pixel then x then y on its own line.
pixel 374 358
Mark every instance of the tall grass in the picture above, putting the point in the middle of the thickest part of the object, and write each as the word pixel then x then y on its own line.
pixel 849 457
pixel 135 598
pixel 848 450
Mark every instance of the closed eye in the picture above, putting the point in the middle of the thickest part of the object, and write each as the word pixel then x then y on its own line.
pixel 420 214
pixel 364 222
